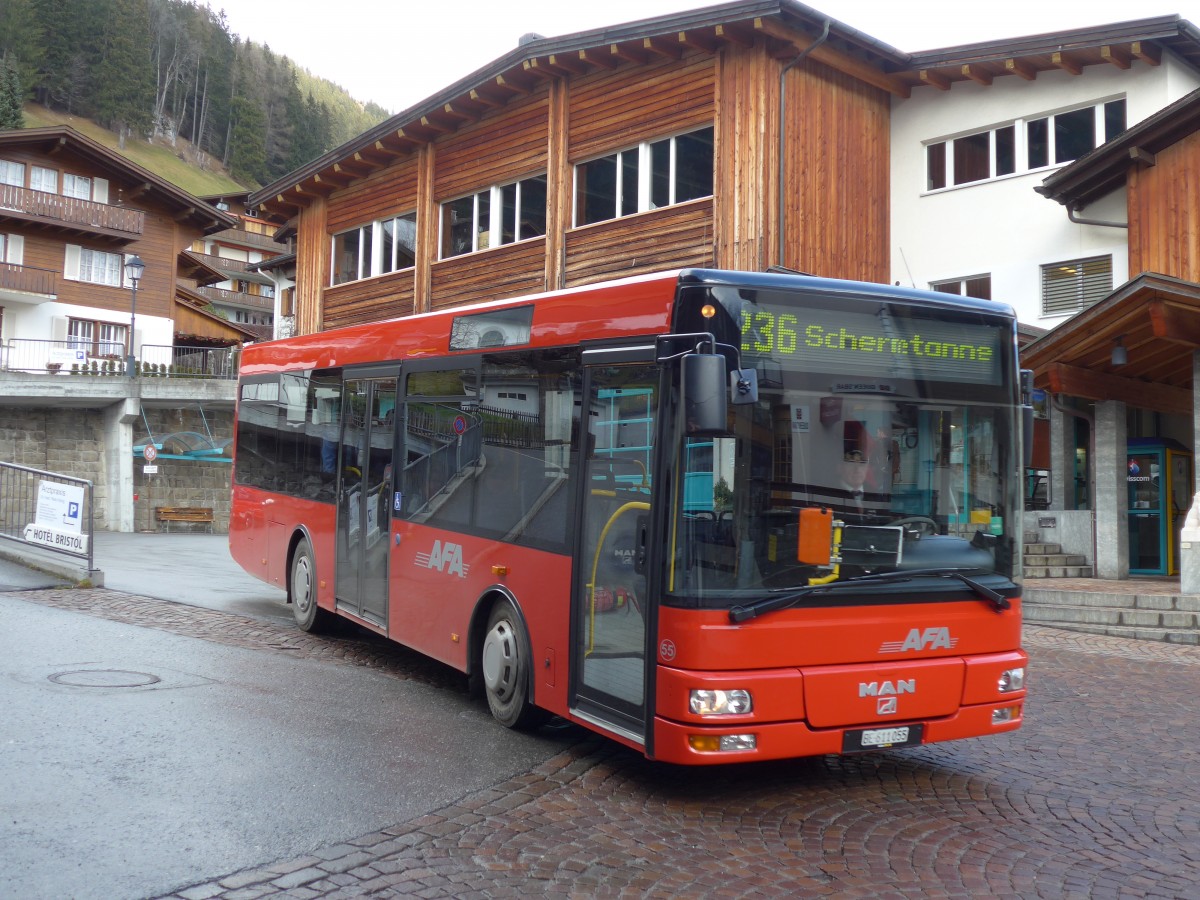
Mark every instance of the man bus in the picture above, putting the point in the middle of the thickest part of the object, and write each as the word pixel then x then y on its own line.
pixel 622 504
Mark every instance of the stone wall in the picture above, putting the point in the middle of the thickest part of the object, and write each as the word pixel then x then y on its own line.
pixel 70 441
pixel 181 482
pixel 62 441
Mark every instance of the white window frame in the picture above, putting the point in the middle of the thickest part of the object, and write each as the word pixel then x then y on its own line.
pixel 12 173
pixel 495 223
pixel 77 186
pixel 110 267
pixel 370 234
pixel 645 175
pixel 1020 145
pixel 43 179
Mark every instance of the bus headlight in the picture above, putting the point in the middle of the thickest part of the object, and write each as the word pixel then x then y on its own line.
pixel 1012 680
pixel 724 743
pixel 720 703
pixel 1006 714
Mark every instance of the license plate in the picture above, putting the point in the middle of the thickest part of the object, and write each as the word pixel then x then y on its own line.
pixel 881 738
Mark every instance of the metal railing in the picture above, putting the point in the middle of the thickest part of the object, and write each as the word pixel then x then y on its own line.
pixel 27 279
pixel 46 510
pixel 108 359
pixel 71 211
pixel 236 298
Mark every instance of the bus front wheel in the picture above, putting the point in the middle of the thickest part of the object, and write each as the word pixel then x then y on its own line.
pixel 302 592
pixel 505 664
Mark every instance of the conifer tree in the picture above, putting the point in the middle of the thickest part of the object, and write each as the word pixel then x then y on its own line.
pixel 11 95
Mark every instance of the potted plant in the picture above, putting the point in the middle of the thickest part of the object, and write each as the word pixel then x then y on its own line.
pixel 53 367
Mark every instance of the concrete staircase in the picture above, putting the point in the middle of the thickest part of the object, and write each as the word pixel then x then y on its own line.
pixel 1130 609
pixel 1174 618
pixel 1048 560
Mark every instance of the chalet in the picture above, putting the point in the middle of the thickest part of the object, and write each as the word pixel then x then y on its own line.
pixel 72 213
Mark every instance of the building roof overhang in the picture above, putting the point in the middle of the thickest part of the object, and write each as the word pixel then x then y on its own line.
pixel 1157 319
pixel 203 326
pixel 1105 169
pixel 57 138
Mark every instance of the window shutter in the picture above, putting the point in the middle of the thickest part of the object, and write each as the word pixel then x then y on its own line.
pixel 16 249
pixel 100 190
pixel 1068 287
pixel 71 263
pixel 58 328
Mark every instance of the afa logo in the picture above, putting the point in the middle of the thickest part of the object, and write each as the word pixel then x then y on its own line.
pixel 929 639
pixel 447 558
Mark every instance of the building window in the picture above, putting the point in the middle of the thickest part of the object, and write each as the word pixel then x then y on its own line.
pixel 77 186
pixel 979 286
pixel 1068 287
pixel 12 173
pixel 98 267
pixel 43 179
pixel 993 153
pixel 385 245
pixel 97 338
pixel 502 214
pixel 651 175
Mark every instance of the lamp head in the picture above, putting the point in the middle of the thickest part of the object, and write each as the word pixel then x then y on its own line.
pixel 134 267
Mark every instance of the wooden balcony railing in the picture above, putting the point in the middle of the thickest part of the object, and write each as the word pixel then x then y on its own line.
pixel 237 298
pixel 28 280
pixel 83 214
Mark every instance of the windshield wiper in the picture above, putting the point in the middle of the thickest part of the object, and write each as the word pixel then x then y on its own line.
pixel 770 604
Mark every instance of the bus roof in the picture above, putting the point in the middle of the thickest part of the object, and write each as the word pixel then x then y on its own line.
pixel 612 310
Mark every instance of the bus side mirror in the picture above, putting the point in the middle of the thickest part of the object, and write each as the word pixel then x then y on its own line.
pixel 704 394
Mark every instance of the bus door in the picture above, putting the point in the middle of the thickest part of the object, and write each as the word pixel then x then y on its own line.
pixel 611 628
pixel 364 496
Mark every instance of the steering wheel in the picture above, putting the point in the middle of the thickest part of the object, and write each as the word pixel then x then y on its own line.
pixel 922 523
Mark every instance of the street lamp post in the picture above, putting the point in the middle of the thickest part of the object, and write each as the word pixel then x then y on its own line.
pixel 134 268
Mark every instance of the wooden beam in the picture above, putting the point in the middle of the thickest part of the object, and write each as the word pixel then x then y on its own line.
pixel 734 34
pixel 514 83
pixel 628 53
pixel 567 63
pixel 352 168
pixel 481 95
pixel 1089 385
pixel 1020 68
pixel 434 122
pixel 541 69
pixel 941 82
pixel 598 58
pixel 137 190
pixel 450 111
pixel 1064 62
pixel 1174 324
pixel 331 179
pixel 660 47
pixel 1150 54
pixel 977 74
pixel 1142 156
pixel 700 40
pixel 1118 56
pixel 184 214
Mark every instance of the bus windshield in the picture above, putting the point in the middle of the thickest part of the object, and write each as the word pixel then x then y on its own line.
pixel 882 440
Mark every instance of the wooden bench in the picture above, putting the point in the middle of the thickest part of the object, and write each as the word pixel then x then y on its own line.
pixel 202 515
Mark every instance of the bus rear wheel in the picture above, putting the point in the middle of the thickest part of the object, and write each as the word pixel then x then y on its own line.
pixel 302 592
pixel 505 662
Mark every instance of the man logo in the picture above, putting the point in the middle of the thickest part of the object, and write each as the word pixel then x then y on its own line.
pixel 446 558
pixel 929 639
pixel 885 706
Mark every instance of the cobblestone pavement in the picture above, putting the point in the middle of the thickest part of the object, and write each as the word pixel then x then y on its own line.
pixel 1097 796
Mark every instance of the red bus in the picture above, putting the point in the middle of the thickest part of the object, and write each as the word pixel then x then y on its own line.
pixel 716 516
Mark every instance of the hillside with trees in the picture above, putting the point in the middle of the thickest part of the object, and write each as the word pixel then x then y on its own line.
pixel 170 71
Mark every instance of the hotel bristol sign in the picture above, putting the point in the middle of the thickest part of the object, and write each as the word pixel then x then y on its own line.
pixel 58 520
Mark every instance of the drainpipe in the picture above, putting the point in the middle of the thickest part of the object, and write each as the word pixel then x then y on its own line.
pixel 1078 220
pixel 800 57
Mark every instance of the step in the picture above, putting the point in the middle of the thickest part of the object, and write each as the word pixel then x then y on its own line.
pixel 1049 597
pixel 1166 635
pixel 1054 559
pixel 1042 549
pixel 1081 571
pixel 1080 614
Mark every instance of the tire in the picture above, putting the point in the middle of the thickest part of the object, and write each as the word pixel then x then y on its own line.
pixel 505 664
pixel 302 592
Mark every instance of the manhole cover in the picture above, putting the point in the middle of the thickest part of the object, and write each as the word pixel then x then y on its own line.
pixel 104 678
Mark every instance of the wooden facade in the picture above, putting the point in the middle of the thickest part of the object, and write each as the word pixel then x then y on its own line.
pixel 548 112
pixel 1164 212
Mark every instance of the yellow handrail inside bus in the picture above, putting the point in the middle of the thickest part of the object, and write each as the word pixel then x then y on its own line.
pixel 632 504
pixel 836 547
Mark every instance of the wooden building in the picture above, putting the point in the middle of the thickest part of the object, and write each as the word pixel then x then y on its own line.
pixel 745 135
pixel 71 212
